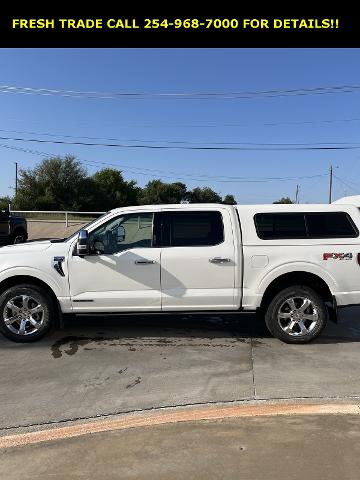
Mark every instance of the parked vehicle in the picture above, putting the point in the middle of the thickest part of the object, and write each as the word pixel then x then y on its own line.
pixel 13 229
pixel 294 264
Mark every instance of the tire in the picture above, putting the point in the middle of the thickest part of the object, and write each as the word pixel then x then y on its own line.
pixel 297 314
pixel 19 236
pixel 34 311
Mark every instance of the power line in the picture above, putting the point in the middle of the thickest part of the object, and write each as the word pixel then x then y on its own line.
pixel 206 178
pixel 199 125
pixel 172 142
pixel 346 184
pixel 146 171
pixel 180 95
pixel 234 125
pixel 254 146
pixel 353 183
pixel 26 150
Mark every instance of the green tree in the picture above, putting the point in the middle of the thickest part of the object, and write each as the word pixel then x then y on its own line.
pixel 62 183
pixel 113 191
pixel 4 203
pixel 229 200
pixel 54 184
pixel 158 192
pixel 203 195
pixel 284 200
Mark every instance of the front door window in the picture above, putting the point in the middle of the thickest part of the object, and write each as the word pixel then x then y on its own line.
pixel 126 232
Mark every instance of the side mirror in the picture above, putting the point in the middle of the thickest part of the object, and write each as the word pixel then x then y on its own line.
pixel 82 245
pixel 120 234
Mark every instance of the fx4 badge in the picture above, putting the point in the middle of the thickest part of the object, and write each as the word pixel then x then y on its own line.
pixel 337 256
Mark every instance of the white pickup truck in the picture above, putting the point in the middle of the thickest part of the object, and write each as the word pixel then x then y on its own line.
pixel 295 264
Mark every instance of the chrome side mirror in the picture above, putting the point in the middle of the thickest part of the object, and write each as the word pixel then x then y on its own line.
pixel 82 245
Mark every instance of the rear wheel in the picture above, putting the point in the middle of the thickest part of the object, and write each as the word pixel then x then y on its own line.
pixel 26 313
pixel 297 314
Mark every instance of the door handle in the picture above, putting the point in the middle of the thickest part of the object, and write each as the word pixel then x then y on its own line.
pixel 144 262
pixel 219 260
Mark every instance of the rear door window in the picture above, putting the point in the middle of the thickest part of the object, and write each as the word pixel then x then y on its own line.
pixel 184 229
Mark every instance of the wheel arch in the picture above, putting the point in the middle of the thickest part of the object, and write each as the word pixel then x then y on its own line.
pixel 28 279
pixel 19 229
pixel 296 278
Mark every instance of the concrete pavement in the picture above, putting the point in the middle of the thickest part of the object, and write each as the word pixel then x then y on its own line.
pixel 116 365
pixel 44 229
pixel 97 369
pixel 258 448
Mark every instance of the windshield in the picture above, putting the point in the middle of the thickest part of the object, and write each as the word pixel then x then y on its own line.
pixel 65 239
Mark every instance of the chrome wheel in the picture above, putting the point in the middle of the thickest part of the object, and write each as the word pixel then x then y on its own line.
pixel 298 316
pixel 23 315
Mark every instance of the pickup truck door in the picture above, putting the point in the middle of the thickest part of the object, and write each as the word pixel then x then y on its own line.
pixel 198 260
pixel 123 271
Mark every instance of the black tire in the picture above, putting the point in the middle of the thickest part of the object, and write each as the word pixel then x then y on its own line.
pixel 18 236
pixel 38 296
pixel 303 330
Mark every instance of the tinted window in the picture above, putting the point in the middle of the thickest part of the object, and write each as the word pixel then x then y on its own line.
pixel 304 225
pixel 283 225
pixel 195 228
pixel 330 225
pixel 129 231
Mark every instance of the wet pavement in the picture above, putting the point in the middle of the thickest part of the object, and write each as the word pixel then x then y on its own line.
pixel 105 366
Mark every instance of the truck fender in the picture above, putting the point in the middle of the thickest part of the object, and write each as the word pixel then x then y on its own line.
pixel 32 272
pixel 293 267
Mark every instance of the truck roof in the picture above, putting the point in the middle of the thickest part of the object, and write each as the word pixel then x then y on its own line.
pixel 173 206
pixel 351 200
pixel 251 210
pixel 270 207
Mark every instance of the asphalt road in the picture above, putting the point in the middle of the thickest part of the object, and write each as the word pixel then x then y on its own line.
pixel 105 366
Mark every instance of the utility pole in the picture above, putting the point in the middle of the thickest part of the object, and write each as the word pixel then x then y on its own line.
pixel 330 184
pixel 16 178
pixel 297 194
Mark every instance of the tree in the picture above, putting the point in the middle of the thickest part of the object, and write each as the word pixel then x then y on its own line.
pixel 113 191
pixel 62 183
pixel 284 200
pixel 4 203
pixel 203 195
pixel 158 192
pixel 229 200
pixel 54 184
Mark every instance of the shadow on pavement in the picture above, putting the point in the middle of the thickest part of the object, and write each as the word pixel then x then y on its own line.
pixel 203 326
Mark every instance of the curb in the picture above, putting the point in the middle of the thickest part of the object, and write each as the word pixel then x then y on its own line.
pixel 199 414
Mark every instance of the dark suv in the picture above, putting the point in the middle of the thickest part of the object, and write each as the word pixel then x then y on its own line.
pixel 12 229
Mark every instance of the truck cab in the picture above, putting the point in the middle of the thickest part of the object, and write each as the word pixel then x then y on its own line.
pixel 292 264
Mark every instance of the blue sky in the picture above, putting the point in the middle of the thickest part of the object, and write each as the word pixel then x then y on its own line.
pixel 189 120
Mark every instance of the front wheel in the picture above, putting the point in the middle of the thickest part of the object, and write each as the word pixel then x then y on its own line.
pixel 18 237
pixel 26 313
pixel 297 314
